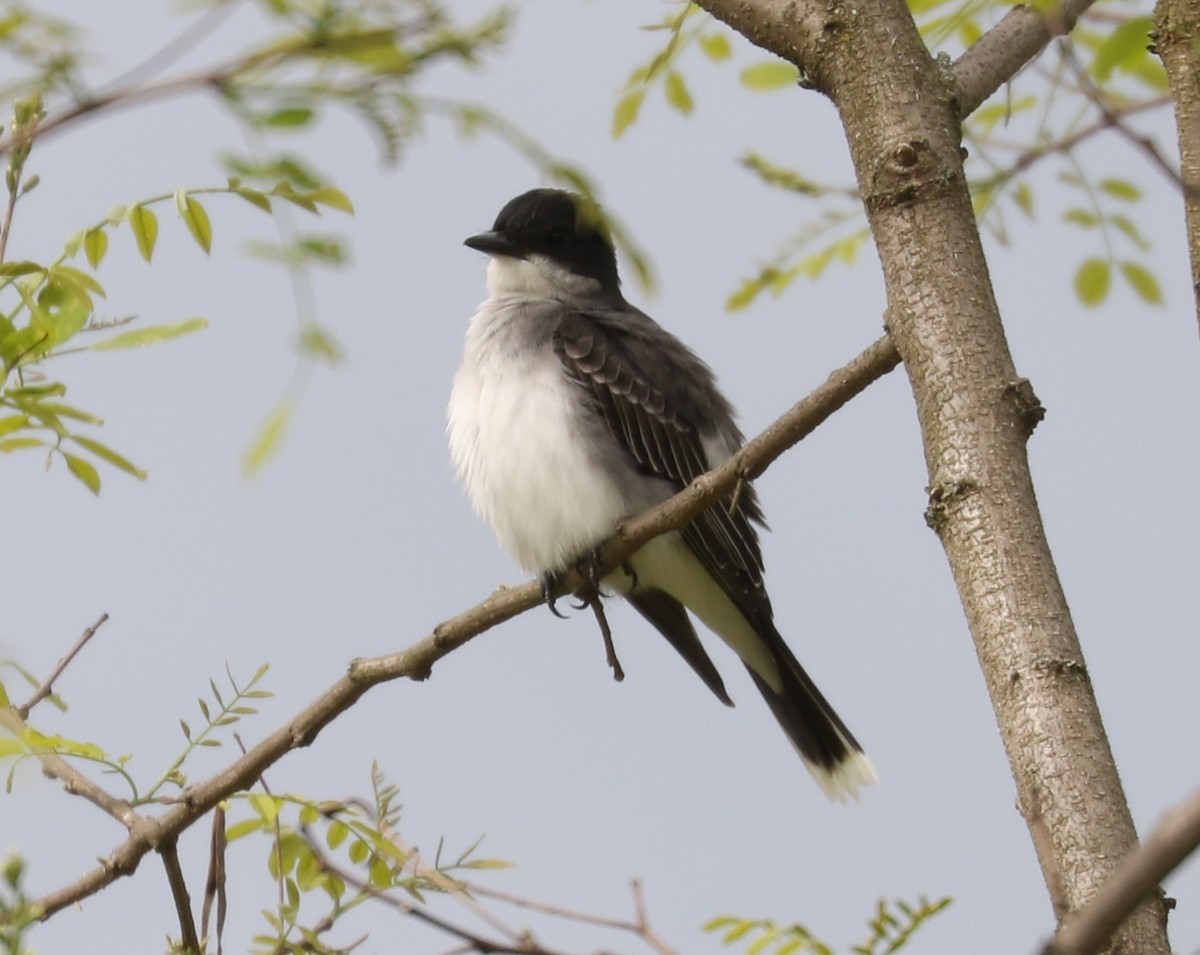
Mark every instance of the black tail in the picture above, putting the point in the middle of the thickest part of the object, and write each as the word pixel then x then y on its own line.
pixel 828 748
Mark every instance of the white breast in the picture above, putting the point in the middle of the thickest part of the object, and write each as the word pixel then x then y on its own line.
pixel 528 461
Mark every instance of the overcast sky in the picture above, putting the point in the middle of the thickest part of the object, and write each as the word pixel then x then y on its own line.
pixel 356 541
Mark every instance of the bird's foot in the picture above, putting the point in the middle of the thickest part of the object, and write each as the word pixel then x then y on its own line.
pixel 551 582
pixel 610 650
pixel 588 567
pixel 589 594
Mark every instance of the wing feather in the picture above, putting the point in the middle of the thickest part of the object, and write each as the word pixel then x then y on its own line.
pixel 661 441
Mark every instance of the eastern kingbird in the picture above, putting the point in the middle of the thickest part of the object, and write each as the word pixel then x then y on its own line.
pixel 572 411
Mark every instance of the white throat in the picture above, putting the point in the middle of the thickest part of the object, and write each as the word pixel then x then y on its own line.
pixel 536 277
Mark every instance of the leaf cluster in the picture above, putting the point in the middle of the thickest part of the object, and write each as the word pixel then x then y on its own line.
pixel 50 310
pixel 1105 73
pixel 364 55
pixel 219 712
pixel 329 857
pixel 891 928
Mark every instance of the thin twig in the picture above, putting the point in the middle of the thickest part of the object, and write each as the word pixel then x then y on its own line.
pixel 1114 118
pixel 644 930
pixel 47 686
pixel 213 78
pixel 281 878
pixel 416 662
pixel 1067 143
pixel 640 926
pixel 173 50
pixel 524 945
pixel 179 893
pixel 6 223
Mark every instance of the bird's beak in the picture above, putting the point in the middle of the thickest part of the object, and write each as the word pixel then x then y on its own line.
pixel 493 243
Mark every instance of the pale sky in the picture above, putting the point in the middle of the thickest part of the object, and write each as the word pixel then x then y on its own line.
pixel 357 541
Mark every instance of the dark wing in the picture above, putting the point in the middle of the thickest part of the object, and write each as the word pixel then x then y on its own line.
pixel 615 357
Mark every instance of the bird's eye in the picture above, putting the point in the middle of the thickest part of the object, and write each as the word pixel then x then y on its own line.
pixel 558 237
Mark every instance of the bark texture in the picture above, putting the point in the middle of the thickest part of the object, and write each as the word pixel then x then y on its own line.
pixel 1177 39
pixel 901 112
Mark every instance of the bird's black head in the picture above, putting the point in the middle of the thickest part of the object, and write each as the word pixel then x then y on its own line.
pixel 563 228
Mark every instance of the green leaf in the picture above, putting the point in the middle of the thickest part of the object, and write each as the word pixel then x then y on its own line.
pixel 1131 231
pixel 334 198
pixel 60 410
pixel 85 471
pixel 19 444
pixel 1092 281
pixel 1123 47
pixel 1023 197
pixel 266 806
pixel 140 337
pixel 196 220
pixel 294 116
pixel 10 270
pixel 1121 189
pixel 256 197
pixel 95 245
pixel 1081 217
pixel 1143 282
pixel 62 311
pixel 716 46
pixel 285 190
pixel 78 281
pixel 626 113
pixel 144 224
pixel 13 423
pixel 336 834
pixel 677 93
pixel 270 436
pixel 105 453
pixel 769 75
pixel 380 873
pixel 318 344
pixel 243 828
pixel 745 294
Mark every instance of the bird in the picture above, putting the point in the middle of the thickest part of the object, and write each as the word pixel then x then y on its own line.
pixel 572 410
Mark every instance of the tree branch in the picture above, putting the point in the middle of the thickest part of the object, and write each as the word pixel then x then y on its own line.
pixel 179 893
pixel 1002 52
pixel 74 782
pixel 416 662
pixel 902 114
pixel 797 31
pixel 1175 838
pixel 47 686
pixel 212 79
pixel 1176 26
pixel 1114 117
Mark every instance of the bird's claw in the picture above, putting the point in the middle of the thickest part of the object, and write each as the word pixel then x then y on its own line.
pixel 588 595
pixel 550 583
